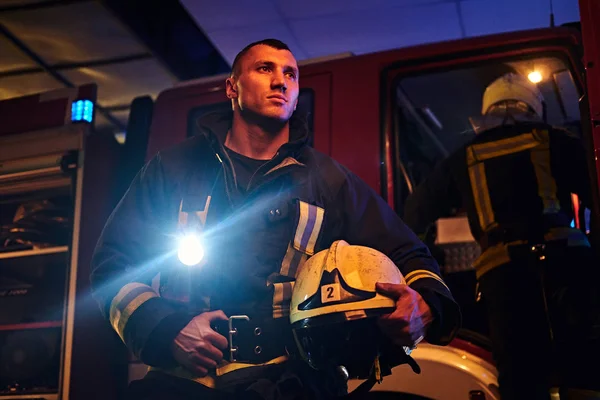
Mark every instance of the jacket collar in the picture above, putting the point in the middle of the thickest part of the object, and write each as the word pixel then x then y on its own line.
pixel 214 127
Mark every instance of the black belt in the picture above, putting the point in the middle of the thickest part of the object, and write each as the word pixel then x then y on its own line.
pixel 509 234
pixel 531 231
pixel 255 340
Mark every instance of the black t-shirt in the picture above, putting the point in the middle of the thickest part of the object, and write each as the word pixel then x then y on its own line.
pixel 244 167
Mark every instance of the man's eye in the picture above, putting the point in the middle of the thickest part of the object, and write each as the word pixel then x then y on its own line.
pixel 264 68
pixel 291 75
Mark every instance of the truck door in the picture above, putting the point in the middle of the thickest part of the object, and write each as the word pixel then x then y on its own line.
pixel 429 110
pixel 590 30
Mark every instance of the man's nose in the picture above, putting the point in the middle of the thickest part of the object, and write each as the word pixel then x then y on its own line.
pixel 279 81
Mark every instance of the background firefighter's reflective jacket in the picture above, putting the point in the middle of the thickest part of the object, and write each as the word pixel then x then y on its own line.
pixel 515 183
pixel 296 205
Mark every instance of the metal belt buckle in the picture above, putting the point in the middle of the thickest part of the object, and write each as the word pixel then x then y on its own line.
pixel 232 331
pixel 409 349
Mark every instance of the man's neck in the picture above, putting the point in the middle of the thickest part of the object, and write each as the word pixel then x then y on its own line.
pixel 256 141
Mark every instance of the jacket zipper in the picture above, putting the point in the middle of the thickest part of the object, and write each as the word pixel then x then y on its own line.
pixel 225 177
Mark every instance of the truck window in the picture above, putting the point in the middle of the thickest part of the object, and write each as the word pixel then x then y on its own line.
pixel 303 115
pixel 433 109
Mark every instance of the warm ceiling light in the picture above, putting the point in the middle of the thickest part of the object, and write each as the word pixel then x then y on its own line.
pixel 535 77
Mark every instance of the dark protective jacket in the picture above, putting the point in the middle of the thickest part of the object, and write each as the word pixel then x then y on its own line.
pixel 515 183
pixel 297 204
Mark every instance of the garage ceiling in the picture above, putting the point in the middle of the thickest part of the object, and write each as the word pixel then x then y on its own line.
pixel 132 48
pixel 316 28
pixel 128 49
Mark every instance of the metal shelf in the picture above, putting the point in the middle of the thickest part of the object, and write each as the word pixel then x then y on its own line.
pixel 31 325
pixel 18 177
pixel 32 253
pixel 41 396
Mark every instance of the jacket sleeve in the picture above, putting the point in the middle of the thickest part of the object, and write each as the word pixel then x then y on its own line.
pixel 133 247
pixel 369 221
pixel 435 197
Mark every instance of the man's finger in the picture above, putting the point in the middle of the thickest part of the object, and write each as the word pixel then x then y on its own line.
pixel 391 320
pixel 202 361
pixel 217 340
pixel 392 290
pixel 198 370
pixel 210 351
pixel 215 315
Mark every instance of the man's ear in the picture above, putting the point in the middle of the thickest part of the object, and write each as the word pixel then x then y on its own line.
pixel 230 88
pixel 296 105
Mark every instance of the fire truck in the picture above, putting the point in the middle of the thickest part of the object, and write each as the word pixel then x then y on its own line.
pixel 390 117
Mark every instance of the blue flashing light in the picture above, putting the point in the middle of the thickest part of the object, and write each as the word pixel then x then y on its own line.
pixel 82 111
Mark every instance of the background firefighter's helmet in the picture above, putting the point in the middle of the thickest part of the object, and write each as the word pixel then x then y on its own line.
pixel 509 99
pixel 513 87
pixel 334 305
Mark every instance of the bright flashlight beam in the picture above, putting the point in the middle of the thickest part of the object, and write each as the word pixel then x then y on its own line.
pixel 140 273
pixel 535 76
pixel 147 270
pixel 241 218
pixel 190 250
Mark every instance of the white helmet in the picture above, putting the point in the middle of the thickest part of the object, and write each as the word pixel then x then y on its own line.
pixel 513 87
pixel 333 304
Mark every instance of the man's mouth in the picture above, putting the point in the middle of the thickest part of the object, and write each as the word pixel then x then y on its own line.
pixel 278 97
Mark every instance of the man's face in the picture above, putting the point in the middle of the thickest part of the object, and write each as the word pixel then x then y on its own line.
pixel 267 84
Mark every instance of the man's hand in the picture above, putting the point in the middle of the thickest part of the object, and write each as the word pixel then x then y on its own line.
pixel 407 325
pixel 197 346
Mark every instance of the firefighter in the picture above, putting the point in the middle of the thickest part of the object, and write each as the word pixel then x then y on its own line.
pixel 260 202
pixel 536 273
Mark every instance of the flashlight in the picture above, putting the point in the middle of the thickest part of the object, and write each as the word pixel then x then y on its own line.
pixel 190 251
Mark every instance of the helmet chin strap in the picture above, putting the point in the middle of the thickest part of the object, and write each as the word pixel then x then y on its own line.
pixel 503 116
pixel 509 118
pixel 389 360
